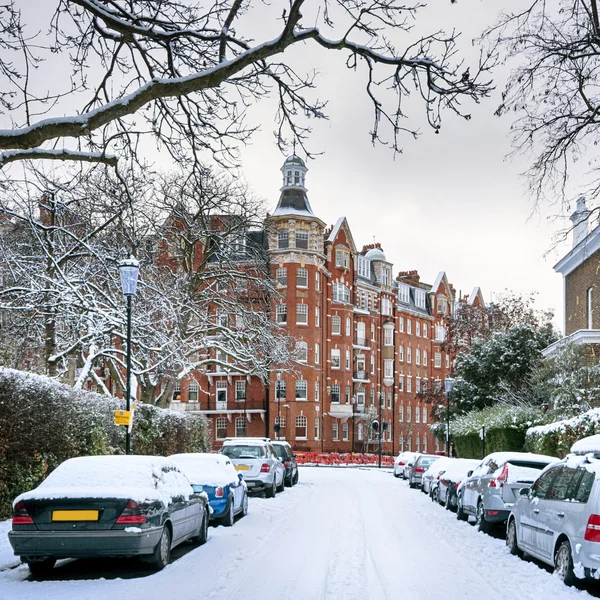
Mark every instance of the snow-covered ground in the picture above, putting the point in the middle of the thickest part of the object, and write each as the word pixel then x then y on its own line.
pixel 340 534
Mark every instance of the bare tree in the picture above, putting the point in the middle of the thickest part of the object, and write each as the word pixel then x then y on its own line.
pixel 183 74
pixel 553 92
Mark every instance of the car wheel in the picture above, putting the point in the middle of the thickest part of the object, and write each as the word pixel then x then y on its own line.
pixel 481 523
pixel 435 496
pixel 461 515
pixel 511 539
pixel 563 563
pixel 271 491
pixel 203 538
pixel 245 505
pixel 228 518
pixel 159 559
pixel 296 478
pixel 447 502
pixel 396 474
pixel 40 568
pixel 281 488
pixel 289 482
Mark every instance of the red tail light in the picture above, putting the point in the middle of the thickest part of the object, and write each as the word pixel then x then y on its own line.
pixel 131 514
pixel 265 468
pixel 219 493
pixel 501 479
pixel 592 531
pixel 287 464
pixel 419 470
pixel 21 516
pixel 457 484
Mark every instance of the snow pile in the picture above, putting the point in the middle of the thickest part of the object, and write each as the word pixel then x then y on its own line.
pixel 518 474
pixel 137 478
pixel 213 470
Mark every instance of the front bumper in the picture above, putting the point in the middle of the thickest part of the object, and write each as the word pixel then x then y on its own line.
pixel 84 544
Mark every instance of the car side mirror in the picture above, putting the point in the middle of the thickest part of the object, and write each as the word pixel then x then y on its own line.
pixel 295 456
pixel 410 464
pixel 469 473
pixel 240 476
pixel 524 491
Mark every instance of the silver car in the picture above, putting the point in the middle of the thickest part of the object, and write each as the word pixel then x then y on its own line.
pixel 422 463
pixel 558 520
pixel 258 462
pixel 492 488
pixel 432 475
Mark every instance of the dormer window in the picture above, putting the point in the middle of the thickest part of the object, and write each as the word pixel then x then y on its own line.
pixel 283 239
pixel 403 293
pixel 420 298
pixel 342 259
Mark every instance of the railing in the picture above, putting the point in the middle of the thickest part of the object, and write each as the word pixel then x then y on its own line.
pixel 362 375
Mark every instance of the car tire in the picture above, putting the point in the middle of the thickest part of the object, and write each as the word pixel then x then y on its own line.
pixel 289 482
pixel 245 505
pixel 281 488
pixel 435 495
pixel 159 559
pixel 228 519
pixel 511 539
pixel 202 531
pixel 396 475
pixel 480 522
pixel 563 563
pixel 40 568
pixel 461 515
pixel 447 502
pixel 271 491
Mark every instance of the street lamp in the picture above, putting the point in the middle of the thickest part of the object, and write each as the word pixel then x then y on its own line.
pixel 129 270
pixel 448 383
pixel 353 421
pixel 278 427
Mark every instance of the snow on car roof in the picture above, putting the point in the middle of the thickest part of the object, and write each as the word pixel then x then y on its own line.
pixel 137 478
pixel 443 462
pixel 587 445
pixel 458 470
pixel 504 456
pixel 206 469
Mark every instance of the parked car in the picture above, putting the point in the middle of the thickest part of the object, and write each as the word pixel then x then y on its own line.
pixel 432 474
pixel 557 521
pixel 450 480
pixel 96 506
pixel 257 460
pixel 288 458
pixel 410 461
pixel 215 474
pixel 493 487
pixel 401 461
pixel 421 464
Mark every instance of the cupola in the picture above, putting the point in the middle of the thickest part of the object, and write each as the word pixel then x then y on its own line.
pixel 293 199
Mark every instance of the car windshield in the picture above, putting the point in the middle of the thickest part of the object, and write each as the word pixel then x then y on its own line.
pixel 280 451
pixel 427 461
pixel 528 464
pixel 243 451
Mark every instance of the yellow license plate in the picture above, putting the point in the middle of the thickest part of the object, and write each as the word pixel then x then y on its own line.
pixel 242 467
pixel 74 515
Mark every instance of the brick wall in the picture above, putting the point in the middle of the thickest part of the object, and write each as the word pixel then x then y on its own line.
pixel 577 284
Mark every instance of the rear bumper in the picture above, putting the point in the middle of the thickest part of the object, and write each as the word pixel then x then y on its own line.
pixel 258 485
pixel 84 544
pixel 219 506
pixel 496 516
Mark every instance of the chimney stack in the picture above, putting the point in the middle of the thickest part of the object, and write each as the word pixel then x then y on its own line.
pixel 580 220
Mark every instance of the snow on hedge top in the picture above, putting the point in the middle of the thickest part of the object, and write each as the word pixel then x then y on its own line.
pixel 586 445
pixel 587 418
pixel 137 478
pixel 206 469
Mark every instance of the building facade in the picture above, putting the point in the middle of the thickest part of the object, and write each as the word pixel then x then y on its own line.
pixel 369 343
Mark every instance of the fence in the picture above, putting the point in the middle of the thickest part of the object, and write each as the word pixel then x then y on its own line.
pixel 333 458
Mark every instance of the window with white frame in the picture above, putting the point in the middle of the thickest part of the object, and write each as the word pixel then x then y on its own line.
pixel 424 414
pixel 401 353
pixel 221 391
pixel 302 351
pixel 301 277
pixel 301 428
pixel 424 358
pixel 335 358
pixel 409 355
pixel 301 389
pixel 193 391
pixel 424 385
pixel 336 325
pixel 348 392
pixel 280 420
pixel 372 332
pixel 389 399
pixel 417 327
pixel 341 293
pixel 437 360
pixel 345 431
pixel 440 333
pixel 424 330
pixel 360 362
pixel 424 444
pixel 221 428
pixel 386 307
pixel 447 361
pixel 317 425
pixel 590 308
pixel 342 259
pixel 317 386
pixel 417 385
pixel 401 443
pixel 364 267
pixel 361 334
pixel 318 281
pixel 360 396
pixel 372 364
pixel 437 445
pixel 317 355
pixel 301 314
pixel 348 326
pixel 281 311
pixel 408 413
pixel 420 298
pixel 382 399
pixel 409 443
pixel 360 432
pixel 388 335
pixel 302 239
pixel 317 316
pixel 442 305
pixel 401 383
pixel 240 390
pixel 335 431
pixel 280 389
pixel 409 326
pixel 240 426
pixel 335 393
pixel 281 275
pixel 222 318
pixel 388 368
pixel 418 444
pixel 401 324
pixel 409 383
pixel 401 413
pixel 347 360
pixel 403 293
pixel 418 356
pixel 417 415
pixel 372 396
pixel 283 239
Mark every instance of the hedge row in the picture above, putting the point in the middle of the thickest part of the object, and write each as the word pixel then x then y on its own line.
pixel 496 440
pixel 557 438
pixel 43 423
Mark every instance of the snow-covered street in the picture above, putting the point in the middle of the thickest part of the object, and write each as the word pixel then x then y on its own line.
pixel 340 533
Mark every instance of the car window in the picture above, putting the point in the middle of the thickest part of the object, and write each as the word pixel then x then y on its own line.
pixel 561 484
pixel 250 451
pixel 427 461
pixel 542 485
pixel 585 486
pixel 527 464
pixel 480 469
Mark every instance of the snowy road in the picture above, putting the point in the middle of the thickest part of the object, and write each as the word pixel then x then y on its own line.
pixel 340 534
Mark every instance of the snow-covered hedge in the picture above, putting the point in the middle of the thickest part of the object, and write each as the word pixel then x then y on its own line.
pixel 505 429
pixel 42 423
pixel 557 438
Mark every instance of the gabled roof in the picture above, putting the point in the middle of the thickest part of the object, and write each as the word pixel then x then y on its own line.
pixel 342 223
pixel 476 294
pixel 588 246
pixel 439 280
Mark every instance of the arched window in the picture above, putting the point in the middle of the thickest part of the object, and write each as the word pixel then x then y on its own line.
pixel 301 427
pixel 240 426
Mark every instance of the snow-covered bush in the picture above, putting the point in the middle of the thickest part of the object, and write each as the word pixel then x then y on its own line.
pixel 42 423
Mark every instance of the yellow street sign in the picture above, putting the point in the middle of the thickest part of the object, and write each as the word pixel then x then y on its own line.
pixel 122 417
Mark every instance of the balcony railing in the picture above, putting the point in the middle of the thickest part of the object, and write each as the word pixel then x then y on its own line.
pixel 362 375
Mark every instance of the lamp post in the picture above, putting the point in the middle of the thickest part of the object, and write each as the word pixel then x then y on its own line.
pixel 448 383
pixel 381 401
pixel 353 421
pixel 277 429
pixel 129 270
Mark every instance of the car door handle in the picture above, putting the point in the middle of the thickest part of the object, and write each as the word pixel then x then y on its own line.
pixel 561 514
pixel 536 511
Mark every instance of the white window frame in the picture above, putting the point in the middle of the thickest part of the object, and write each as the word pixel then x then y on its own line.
pixel 345 431
pixel 336 358
pixel 388 367
pixel 193 389
pixel 388 335
pixel 302 351
pixel 281 313
pixel 336 325
pixel 241 427
pixel 401 413
pixel 301 277
pixel 401 324
pixel 409 326
pixel 335 432
pixel 409 384
pixel 240 390
pixel 403 293
pixel 301 314
pixel 401 353
pixel 301 390
pixel 401 383
pixel 336 392
pixel 317 354
pixel 283 239
pixel 301 423
pixel 317 316
pixel 301 234
pixel 220 425
pixel 348 360
pixel 281 276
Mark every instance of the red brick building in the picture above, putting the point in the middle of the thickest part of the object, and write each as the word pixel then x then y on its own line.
pixel 369 342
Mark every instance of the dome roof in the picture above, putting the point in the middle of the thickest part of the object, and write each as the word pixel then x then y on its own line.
pixel 294 160
pixel 375 254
